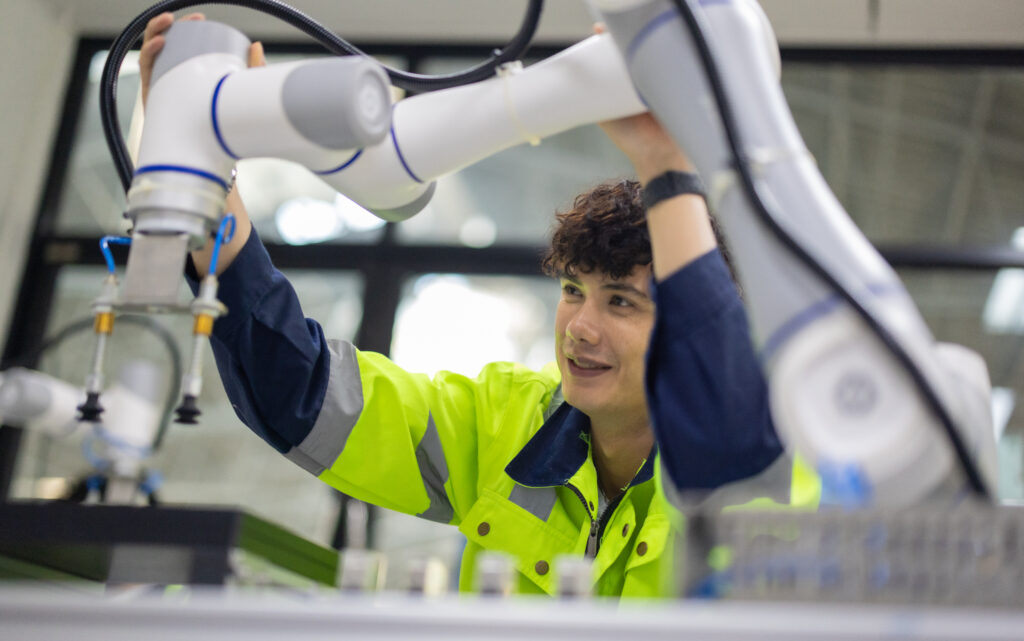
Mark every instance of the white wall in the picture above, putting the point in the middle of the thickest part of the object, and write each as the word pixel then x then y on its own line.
pixel 37 42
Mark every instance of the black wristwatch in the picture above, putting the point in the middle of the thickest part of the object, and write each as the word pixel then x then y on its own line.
pixel 669 185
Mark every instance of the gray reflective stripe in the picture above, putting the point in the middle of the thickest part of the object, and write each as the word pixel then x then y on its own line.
pixel 343 402
pixel 774 483
pixel 538 501
pixel 296 456
pixel 434 471
pixel 556 401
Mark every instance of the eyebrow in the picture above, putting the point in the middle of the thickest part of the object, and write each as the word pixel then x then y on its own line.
pixel 623 287
pixel 615 286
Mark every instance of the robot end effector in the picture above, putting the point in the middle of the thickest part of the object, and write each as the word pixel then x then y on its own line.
pixel 206 111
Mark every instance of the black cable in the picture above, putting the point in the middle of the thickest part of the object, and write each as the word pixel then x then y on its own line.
pixel 146 323
pixel 513 50
pixel 757 200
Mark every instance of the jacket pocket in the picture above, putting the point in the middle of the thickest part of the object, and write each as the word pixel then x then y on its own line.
pixel 496 524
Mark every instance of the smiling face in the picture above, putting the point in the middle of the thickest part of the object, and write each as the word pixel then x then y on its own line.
pixel 602 328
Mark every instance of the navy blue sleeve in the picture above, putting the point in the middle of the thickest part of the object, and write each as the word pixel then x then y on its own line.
pixel 705 390
pixel 274 363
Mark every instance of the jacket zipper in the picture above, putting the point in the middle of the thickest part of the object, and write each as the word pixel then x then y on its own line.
pixel 598 524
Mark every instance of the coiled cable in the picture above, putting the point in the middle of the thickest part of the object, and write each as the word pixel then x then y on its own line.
pixel 513 50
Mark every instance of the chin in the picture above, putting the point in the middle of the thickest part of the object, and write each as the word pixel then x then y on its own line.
pixel 584 402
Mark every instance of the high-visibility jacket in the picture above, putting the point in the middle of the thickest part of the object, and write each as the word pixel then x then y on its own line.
pixel 479 454
pixel 496 455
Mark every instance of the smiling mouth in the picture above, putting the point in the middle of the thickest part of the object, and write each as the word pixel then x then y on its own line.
pixel 580 366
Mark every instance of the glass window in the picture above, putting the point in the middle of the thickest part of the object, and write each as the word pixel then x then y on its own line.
pixel 218 461
pixel 917 154
pixel 954 306
pixel 461 323
pixel 92 199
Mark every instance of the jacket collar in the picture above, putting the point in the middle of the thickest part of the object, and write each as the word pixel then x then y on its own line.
pixel 558 449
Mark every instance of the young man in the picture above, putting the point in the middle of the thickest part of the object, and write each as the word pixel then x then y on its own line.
pixel 538 464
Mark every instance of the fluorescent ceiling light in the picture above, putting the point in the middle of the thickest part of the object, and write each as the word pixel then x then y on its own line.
pixel 354 217
pixel 302 221
pixel 129 66
pixel 1003 401
pixel 478 231
pixel 1004 309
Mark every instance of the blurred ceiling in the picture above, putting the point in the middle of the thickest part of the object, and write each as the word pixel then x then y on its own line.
pixel 797 22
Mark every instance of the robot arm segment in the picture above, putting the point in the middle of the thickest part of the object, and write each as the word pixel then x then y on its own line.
pixel 443 131
pixel 332 116
pixel 839 396
pixel 33 399
pixel 317 113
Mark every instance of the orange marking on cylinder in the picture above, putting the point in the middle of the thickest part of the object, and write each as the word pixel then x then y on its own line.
pixel 203 325
pixel 104 323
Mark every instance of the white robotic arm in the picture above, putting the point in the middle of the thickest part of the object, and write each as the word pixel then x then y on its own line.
pixel 43 403
pixel 839 395
pixel 119 445
pixel 335 118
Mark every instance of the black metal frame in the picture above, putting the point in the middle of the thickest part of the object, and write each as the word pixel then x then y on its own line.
pixel 386 265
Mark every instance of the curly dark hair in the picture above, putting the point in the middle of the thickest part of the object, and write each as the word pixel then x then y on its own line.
pixel 604 230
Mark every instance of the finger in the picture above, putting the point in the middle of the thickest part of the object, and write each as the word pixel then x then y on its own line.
pixel 148 52
pixel 146 57
pixel 599 27
pixel 195 16
pixel 157 25
pixel 256 56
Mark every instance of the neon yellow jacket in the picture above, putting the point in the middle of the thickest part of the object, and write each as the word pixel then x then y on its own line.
pixel 498 456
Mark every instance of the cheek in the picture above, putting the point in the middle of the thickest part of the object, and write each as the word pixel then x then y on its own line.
pixel 561 320
pixel 559 329
pixel 635 345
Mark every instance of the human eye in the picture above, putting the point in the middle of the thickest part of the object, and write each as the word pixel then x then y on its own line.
pixel 570 289
pixel 620 301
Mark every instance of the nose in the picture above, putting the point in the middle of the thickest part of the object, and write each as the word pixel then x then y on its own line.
pixel 583 325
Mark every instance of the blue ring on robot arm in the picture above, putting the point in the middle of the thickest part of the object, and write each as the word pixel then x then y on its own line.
pixel 401 158
pixel 343 166
pixel 148 169
pixel 213 119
